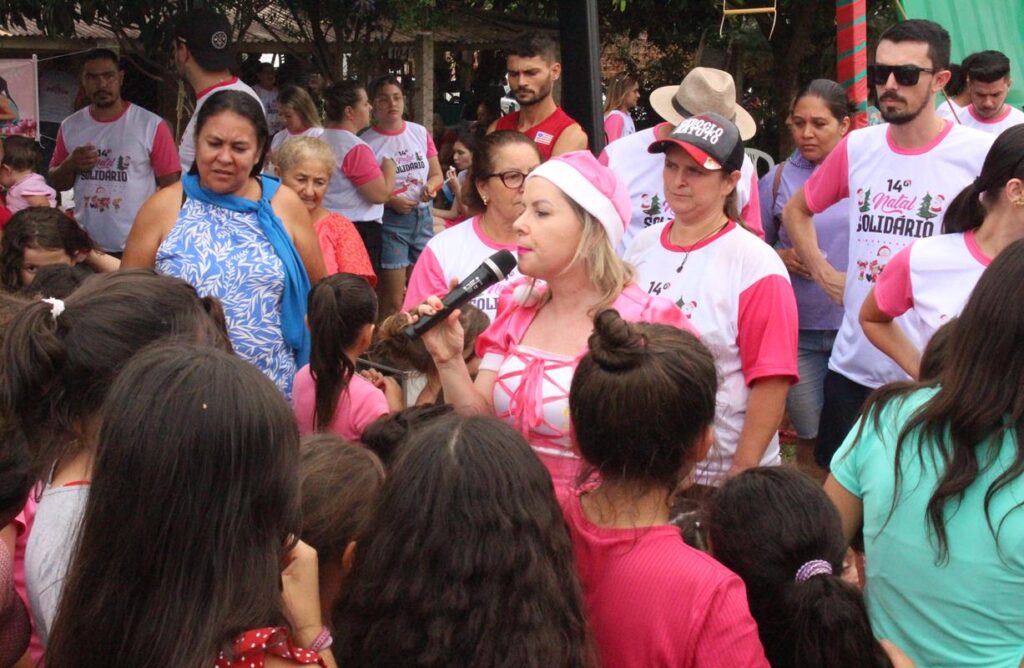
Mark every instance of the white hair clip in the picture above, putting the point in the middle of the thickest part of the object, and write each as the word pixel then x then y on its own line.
pixel 56 306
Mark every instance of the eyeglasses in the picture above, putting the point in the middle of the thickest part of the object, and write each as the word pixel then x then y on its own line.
pixel 906 75
pixel 511 179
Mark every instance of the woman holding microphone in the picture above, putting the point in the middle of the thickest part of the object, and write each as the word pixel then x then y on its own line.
pixel 575 213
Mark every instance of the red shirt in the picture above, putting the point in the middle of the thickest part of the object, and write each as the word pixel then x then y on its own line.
pixel 545 134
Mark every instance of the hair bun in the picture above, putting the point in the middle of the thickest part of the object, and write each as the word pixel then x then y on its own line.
pixel 616 345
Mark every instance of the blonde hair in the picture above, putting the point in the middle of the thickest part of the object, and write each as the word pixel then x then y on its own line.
pixel 294 151
pixel 607 271
pixel 617 91
pixel 296 98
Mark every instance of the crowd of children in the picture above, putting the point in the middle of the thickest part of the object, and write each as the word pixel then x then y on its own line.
pixel 228 452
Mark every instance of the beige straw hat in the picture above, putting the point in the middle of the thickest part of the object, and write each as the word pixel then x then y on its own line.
pixel 703 90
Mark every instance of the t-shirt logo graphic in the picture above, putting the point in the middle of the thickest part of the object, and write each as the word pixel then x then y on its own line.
pixel 688 307
pixel 543 138
pixel 931 208
pixel 863 200
pixel 650 205
pixel 219 39
pixel 870 270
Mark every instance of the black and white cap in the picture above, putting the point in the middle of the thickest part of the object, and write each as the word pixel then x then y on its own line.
pixel 710 139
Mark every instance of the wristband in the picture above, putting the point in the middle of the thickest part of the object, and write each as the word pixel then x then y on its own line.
pixel 322 641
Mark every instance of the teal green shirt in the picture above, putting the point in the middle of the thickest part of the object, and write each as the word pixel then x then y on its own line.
pixel 968 611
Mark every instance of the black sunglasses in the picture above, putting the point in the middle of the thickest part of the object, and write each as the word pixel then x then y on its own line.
pixel 906 75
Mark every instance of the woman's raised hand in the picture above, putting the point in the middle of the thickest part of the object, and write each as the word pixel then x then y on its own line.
pixel 445 340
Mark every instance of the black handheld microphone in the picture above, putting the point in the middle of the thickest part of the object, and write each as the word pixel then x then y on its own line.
pixel 494 269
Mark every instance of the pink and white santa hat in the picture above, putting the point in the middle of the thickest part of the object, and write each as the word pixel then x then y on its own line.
pixel 591 185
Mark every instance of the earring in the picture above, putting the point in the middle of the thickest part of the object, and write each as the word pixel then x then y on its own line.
pixel 484 198
pixel 1018 201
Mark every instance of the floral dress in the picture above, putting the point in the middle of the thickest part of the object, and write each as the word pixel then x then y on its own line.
pixel 225 254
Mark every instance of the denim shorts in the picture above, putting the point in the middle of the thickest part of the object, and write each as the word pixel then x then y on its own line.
pixel 804 401
pixel 404 236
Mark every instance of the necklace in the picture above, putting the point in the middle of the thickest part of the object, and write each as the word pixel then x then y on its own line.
pixel 686 255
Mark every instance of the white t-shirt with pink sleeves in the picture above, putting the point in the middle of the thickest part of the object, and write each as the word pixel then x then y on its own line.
pixel 455 254
pixel 411 148
pixel 968 117
pixel 357 166
pixel 929 282
pixel 896 196
pixel 643 175
pixel 134 149
pixel 531 391
pixel 284 135
pixel 735 290
pixel 187 147
pixel 360 404
pixel 618 124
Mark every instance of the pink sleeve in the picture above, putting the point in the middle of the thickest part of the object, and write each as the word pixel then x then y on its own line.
pixel 360 165
pixel 768 329
pixel 603 158
pixel 431 149
pixel 830 182
pixel 164 154
pixel 894 293
pixel 367 407
pixel 427 279
pixel 60 151
pixel 751 213
pixel 728 636
pixel 613 126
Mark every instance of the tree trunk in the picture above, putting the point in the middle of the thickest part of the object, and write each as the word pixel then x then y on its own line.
pixel 789 50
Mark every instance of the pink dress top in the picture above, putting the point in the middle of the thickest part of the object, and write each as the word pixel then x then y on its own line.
pixel 531 391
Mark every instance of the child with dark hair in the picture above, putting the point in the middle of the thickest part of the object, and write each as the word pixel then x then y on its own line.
pixel 328 394
pixel 18 162
pixel 385 435
pixel 934 475
pixel 464 561
pixel 58 361
pixel 650 598
pixel 777 530
pixel 55 280
pixel 38 236
pixel 187 553
pixel 340 482
pixel 395 349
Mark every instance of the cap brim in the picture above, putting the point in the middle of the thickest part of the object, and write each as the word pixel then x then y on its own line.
pixel 664 139
pixel 661 101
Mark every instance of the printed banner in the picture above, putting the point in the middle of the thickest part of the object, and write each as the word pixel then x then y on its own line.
pixel 19 112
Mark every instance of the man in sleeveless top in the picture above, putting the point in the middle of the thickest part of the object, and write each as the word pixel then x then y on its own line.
pixel 113 153
pixel 899 178
pixel 204 54
pixel 532 71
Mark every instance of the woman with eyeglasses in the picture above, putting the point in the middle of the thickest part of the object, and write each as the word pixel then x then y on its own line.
pixel 574 214
pixel 497 173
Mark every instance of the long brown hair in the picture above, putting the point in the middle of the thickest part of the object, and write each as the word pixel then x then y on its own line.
pixel 340 307
pixel 979 398
pixel 193 501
